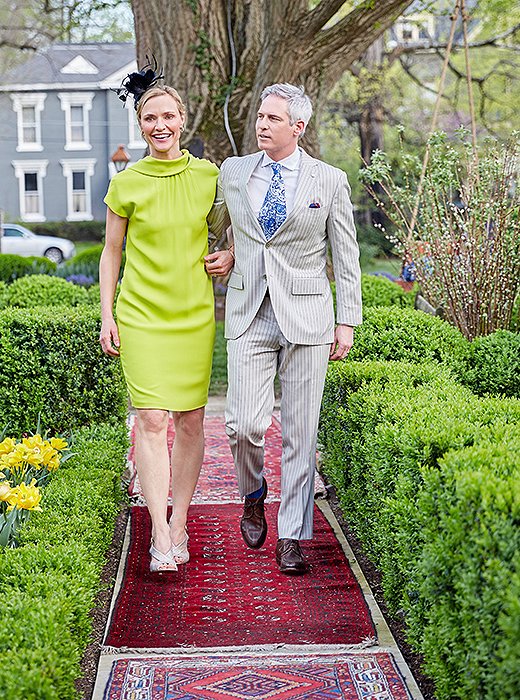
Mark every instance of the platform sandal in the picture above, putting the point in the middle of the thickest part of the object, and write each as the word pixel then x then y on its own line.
pixel 161 562
pixel 179 551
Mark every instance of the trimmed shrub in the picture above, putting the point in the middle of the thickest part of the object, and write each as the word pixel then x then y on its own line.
pixel 493 364
pixel 387 432
pixel 43 290
pixel 73 230
pixel 52 366
pixel 50 583
pixel 380 291
pixel 14 266
pixel 407 335
pixel 469 571
pixel 3 289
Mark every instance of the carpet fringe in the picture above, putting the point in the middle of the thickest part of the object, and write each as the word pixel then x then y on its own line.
pixel 266 649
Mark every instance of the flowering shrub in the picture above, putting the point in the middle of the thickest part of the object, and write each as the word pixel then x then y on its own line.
pixel 25 467
pixel 460 231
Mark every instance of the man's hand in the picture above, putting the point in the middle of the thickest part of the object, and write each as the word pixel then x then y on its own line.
pixel 343 341
pixel 219 263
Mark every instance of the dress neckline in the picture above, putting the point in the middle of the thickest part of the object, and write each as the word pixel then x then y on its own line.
pixel 157 167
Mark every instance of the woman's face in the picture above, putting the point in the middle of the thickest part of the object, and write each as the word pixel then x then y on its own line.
pixel 161 124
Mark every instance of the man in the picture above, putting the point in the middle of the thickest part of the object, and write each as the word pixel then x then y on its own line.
pixel 285 209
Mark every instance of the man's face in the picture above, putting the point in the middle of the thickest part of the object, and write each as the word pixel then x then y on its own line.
pixel 274 133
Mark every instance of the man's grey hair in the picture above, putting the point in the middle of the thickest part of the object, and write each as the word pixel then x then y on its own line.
pixel 299 105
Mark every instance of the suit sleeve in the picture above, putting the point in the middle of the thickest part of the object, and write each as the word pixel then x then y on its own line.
pixel 218 217
pixel 341 233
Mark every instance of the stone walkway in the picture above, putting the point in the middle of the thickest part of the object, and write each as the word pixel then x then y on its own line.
pixel 368 669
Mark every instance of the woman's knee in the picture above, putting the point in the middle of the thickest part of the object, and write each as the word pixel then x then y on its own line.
pixel 152 420
pixel 189 424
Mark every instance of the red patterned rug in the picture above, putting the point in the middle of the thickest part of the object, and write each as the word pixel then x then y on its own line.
pixel 231 595
pixel 217 481
pixel 350 677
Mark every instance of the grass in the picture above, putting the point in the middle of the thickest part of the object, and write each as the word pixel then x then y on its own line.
pixel 218 384
pixel 383 264
pixel 84 245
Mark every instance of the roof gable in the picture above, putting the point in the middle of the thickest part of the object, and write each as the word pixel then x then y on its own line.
pixel 79 65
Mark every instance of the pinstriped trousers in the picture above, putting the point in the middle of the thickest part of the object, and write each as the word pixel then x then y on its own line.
pixel 253 360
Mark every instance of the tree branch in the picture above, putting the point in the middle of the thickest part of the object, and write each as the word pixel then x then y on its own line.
pixel 351 36
pixel 316 19
pixel 435 47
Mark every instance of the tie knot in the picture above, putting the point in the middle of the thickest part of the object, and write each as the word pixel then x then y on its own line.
pixel 277 168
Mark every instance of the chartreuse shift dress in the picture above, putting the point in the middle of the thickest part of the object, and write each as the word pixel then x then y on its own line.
pixel 165 312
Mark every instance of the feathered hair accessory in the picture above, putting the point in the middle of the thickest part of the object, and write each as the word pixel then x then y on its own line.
pixel 136 84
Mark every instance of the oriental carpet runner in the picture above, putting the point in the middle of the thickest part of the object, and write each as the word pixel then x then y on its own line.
pixel 222 623
pixel 313 677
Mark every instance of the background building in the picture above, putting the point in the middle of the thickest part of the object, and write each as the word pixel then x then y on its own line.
pixel 62 122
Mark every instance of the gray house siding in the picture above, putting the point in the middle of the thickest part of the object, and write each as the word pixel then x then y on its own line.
pixel 71 178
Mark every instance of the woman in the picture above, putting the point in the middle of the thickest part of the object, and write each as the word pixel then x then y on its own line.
pixel 165 313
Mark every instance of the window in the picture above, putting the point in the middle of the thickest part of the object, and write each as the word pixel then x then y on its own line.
pixel 76 106
pixel 78 174
pixel 79 192
pixel 28 110
pixel 30 176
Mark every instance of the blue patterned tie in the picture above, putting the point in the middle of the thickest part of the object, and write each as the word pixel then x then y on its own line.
pixel 274 210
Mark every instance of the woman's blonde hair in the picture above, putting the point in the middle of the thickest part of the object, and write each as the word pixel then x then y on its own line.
pixel 155 92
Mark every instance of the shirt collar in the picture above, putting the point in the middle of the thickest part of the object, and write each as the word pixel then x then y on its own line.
pixel 292 162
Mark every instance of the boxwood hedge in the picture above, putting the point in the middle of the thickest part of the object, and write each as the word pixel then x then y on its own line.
pixel 411 454
pixel 51 365
pixel 49 584
pixel 43 290
pixel 14 266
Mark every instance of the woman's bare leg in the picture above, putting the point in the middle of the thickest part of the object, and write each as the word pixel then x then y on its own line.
pixel 187 456
pixel 153 468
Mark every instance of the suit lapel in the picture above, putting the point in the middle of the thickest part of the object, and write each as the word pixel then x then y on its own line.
pixel 304 187
pixel 247 171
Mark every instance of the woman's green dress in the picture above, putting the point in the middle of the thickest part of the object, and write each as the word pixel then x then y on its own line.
pixel 165 312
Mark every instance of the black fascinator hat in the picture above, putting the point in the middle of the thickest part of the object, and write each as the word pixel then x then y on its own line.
pixel 136 84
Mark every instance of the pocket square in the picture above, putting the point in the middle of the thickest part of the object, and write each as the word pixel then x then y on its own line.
pixel 314 205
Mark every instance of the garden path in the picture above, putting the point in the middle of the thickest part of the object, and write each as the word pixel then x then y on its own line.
pixel 228 625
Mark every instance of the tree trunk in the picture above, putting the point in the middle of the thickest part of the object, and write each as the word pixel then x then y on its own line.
pixel 220 54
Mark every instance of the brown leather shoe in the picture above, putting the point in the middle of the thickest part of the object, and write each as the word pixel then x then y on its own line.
pixel 289 557
pixel 253 524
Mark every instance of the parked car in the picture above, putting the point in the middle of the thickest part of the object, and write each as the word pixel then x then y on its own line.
pixel 18 240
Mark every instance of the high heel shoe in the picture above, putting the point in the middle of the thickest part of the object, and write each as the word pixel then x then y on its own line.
pixel 179 551
pixel 160 561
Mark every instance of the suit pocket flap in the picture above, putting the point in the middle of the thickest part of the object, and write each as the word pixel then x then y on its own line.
pixel 309 285
pixel 236 281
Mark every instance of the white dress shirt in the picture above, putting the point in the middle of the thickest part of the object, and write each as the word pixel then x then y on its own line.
pixel 261 177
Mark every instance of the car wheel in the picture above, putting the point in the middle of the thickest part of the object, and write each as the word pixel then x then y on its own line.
pixel 54 254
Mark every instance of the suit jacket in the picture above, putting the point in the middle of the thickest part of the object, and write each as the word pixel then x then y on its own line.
pixel 292 264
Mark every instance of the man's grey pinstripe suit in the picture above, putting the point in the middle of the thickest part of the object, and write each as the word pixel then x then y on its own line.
pixel 290 330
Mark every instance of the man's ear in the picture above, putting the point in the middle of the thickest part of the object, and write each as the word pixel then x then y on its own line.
pixel 299 127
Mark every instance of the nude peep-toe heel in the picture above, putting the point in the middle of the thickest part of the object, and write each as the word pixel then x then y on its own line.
pixel 162 562
pixel 180 552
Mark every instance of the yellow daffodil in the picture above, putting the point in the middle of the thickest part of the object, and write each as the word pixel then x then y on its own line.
pixel 25 497
pixel 33 441
pixel 33 456
pixel 48 454
pixel 7 446
pixel 58 443
pixel 53 463
pixel 13 461
pixel 5 488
